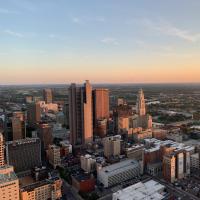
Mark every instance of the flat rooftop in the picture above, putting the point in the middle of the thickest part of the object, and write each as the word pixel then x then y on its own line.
pixel 7 174
pixel 120 166
pixel 150 190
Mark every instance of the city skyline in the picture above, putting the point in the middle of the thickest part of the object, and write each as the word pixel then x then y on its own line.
pixel 51 42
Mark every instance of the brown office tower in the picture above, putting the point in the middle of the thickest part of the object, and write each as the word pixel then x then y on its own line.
pixel 80 114
pixel 1 150
pixel 34 114
pixel 45 132
pixel 101 108
pixel 48 97
pixel 18 125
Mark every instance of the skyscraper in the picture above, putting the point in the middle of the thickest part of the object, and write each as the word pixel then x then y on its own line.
pixel 143 120
pixel 34 114
pixel 141 110
pixel 18 125
pixel 1 150
pixel 48 97
pixel 100 110
pixel 45 133
pixel 101 104
pixel 80 114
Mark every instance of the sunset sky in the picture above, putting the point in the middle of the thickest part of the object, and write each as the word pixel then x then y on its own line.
pixel 105 41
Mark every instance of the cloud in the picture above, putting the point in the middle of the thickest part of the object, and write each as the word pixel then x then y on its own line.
pixel 111 41
pixel 76 20
pixel 168 29
pixel 6 11
pixel 12 33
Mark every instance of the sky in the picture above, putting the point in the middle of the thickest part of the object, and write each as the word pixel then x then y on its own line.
pixel 105 41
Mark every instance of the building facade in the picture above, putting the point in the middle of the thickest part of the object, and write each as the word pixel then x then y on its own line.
pixel 24 154
pixel 80 114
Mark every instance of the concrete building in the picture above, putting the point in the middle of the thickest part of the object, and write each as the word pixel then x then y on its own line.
pixel 154 169
pixel 47 94
pixel 135 152
pixel 24 154
pixel 169 168
pixel 112 146
pixel 194 161
pixel 179 165
pixel 142 135
pixel 140 191
pixel 2 160
pixel 9 183
pixel 88 163
pixel 80 114
pixel 18 125
pixel 42 190
pixel 53 154
pixel 119 172
pixel 65 148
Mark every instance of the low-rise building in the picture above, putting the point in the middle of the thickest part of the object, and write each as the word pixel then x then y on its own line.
pixel 118 172
pixel 148 190
pixel 42 190
pixel 53 154
pixel 88 163
pixel 83 182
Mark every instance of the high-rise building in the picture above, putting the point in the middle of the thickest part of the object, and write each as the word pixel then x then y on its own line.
pixel 18 125
pixel 34 113
pixel 169 168
pixel 9 183
pixel 141 109
pixel 2 161
pixel 24 154
pixel 48 97
pixel 45 133
pixel 112 146
pixel 143 120
pixel 101 104
pixel 80 114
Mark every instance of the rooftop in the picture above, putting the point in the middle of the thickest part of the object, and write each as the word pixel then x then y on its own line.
pixel 118 167
pixel 7 174
pixel 151 190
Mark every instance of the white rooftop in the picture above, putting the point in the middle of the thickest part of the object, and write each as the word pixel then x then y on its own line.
pixel 151 190
pixel 158 143
pixel 119 167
